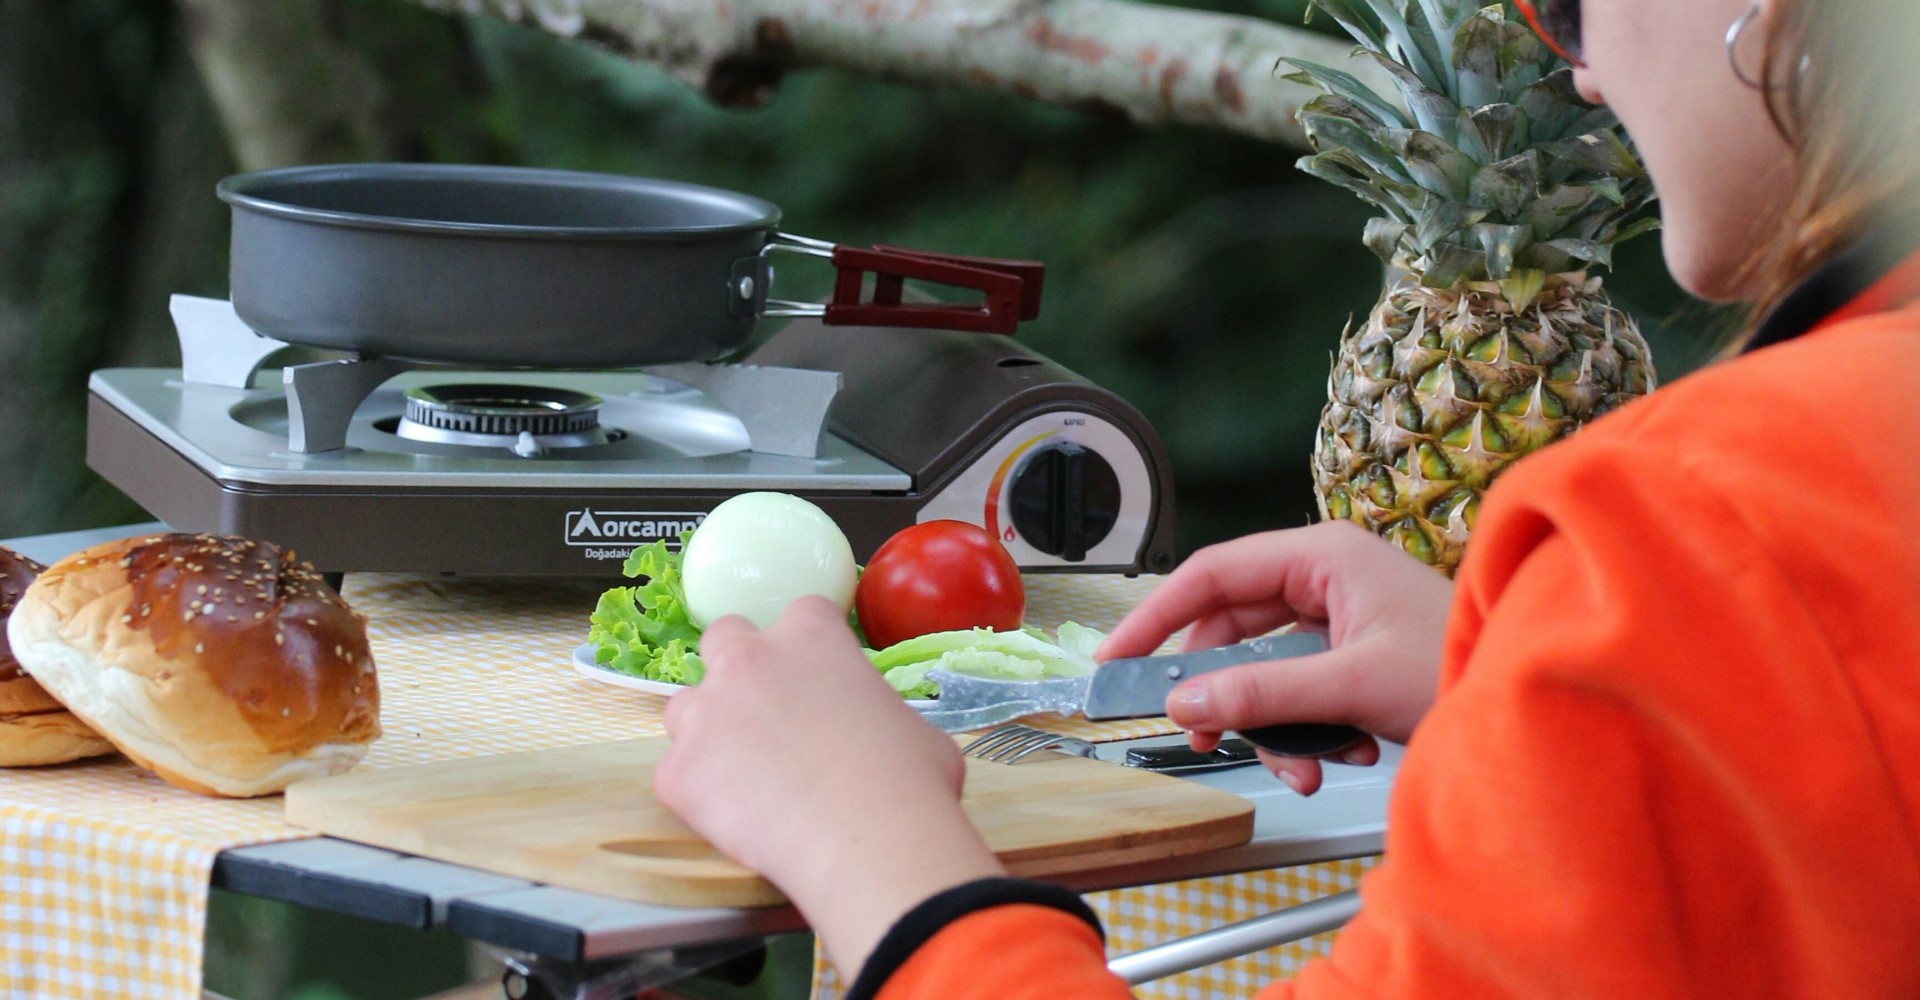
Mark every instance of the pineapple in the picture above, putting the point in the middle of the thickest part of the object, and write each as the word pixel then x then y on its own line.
pixel 1501 188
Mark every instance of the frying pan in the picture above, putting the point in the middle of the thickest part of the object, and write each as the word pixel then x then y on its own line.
pixel 515 267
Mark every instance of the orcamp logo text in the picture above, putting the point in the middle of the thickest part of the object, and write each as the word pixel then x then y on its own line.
pixel 609 528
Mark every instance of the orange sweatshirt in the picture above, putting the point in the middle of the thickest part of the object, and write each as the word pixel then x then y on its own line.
pixel 1676 749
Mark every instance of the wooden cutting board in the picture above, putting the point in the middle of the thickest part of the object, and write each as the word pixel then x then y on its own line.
pixel 585 818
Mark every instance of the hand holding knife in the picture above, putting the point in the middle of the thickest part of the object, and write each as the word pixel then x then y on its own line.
pixel 1134 688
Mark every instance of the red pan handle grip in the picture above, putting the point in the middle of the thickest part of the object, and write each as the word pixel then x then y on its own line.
pixel 1009 289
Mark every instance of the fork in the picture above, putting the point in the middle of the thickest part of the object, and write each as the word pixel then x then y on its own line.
pixel 1009 744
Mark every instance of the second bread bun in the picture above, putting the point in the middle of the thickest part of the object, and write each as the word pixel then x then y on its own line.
pixel 222 664
pixel 34 727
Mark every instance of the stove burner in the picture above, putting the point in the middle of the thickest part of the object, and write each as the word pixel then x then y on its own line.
pixel 503 409
pixel 526 419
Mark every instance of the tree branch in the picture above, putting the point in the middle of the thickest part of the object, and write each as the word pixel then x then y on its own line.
pixel 1156 64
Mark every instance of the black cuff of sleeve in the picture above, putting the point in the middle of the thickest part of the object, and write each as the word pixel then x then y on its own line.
pixel 924 921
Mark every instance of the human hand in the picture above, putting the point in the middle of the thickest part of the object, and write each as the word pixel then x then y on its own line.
pixel 1383 611
pixel 794 758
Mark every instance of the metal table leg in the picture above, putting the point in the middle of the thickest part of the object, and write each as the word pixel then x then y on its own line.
pixel 1234 940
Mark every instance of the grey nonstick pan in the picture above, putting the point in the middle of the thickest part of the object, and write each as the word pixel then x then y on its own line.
pixel 515 267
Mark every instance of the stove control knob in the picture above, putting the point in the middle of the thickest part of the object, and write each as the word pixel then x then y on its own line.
pixel 1064 499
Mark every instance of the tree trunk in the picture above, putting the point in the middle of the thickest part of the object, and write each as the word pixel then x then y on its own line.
pixel 1156 64
pixel 285 90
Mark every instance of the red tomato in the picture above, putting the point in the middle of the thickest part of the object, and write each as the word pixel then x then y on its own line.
pixel 938 577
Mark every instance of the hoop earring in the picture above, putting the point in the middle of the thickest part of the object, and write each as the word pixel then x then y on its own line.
pixel 1737 29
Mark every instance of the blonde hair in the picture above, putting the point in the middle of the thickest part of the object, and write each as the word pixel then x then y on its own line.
pixel 1841 83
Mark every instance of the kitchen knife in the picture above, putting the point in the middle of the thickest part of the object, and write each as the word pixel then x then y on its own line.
pixel 1133 688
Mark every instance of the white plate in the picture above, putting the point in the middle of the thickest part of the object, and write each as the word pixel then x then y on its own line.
pixel 584 664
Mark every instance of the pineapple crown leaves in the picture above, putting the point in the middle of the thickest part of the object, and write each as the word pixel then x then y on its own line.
pixel 1490 167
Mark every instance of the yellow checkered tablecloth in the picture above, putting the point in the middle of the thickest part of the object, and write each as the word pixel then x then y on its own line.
pixel 104 869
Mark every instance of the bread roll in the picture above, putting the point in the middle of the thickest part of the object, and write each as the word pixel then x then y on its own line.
pixel 34 728
pixel 221 664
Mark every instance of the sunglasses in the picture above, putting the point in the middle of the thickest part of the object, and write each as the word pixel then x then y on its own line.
pixel 1558 24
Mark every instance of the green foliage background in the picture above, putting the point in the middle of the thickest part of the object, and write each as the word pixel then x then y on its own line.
pixel 1192 271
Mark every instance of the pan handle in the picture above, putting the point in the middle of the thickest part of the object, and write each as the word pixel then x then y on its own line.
pixel 1009 289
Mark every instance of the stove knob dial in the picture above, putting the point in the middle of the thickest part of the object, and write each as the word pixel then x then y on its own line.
pixel 1064 498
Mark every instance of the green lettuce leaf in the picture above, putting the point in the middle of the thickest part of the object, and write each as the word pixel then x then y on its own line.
pixel 645 630
pixel 1023 655
pixel 1080 640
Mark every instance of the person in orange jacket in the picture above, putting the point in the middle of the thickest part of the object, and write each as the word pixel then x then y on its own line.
pixel 1663 734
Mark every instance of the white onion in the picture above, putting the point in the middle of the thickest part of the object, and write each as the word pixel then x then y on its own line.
pixel 758 552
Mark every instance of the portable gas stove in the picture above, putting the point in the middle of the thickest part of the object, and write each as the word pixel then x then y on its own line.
pixel 373 464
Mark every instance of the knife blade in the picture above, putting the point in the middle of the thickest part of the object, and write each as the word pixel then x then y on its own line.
pixel 1132 688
